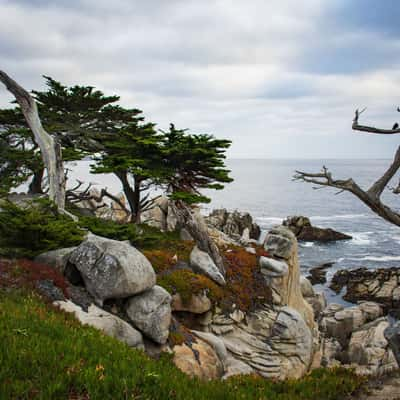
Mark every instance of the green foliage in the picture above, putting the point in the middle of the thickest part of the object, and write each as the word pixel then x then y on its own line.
pixel 187 283
pixel 193 162
pixel 141 236
pixel 34 228
pixel 46 354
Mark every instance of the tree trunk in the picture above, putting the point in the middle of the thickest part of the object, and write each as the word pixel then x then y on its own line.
pixel 50 149
pixel 35 187
pixel 198 230
pixel 131 195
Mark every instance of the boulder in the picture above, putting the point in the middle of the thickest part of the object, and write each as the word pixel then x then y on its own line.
pixel 198 303
pixel 198 360
pixel 56 258
pixel 369 349
pixel 302 228
pixel 202 263
pixel 379 285
pixel 110 324
pixel 150 312
pixel 112 269
pixel 235 224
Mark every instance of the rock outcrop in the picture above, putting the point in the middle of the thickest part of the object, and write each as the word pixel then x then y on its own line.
pixel 381 285
pixel 198 359
pixel 304 231
pixel 112 269
pixel 354 337
pixel 274 340
pixel 272 343
pixel 282 272
pixel 110 324
pixel 318 273
pixel 150 312
pixel 235 224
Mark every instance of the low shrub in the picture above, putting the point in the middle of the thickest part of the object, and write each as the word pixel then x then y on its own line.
pixel 34 228
pixel 25 273
pixel 141 236
pixel 187 283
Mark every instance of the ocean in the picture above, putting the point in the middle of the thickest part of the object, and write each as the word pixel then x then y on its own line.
pixel 266 190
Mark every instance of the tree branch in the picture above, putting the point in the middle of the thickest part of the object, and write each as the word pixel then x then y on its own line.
pixel 369 198
pixel 378 187
pixel 371 129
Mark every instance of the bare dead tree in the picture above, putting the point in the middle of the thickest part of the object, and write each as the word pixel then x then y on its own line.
pixel 50 148
pixel 372 196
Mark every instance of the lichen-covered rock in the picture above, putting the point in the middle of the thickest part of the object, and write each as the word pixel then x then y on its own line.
pixel 202 263
pixel 150 312
pixel 112 269
pixel 110 324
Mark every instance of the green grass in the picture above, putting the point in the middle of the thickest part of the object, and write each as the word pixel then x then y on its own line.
pixel 46 354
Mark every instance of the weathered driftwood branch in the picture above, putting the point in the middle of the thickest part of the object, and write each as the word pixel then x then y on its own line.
pixel 372 129
pixel 198 230
pixel 372 196
pixel 50 149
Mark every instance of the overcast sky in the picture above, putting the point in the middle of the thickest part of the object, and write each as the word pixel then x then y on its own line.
pixel 279 78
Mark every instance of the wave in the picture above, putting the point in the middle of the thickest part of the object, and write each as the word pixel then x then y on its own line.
pixel 370 258
pixel 339 216
pixel 360 238
pixel 307 244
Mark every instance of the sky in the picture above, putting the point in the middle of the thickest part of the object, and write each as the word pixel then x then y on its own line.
pixel 280 78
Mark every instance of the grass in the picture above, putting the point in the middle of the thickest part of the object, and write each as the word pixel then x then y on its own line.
pixel 46 354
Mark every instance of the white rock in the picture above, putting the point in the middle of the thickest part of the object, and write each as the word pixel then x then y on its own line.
pixel 202 263
pixel 110 324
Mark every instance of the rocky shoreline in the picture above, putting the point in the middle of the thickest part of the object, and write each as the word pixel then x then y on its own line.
pixel 283 337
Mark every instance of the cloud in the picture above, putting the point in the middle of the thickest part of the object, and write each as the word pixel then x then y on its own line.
pixel 278 78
